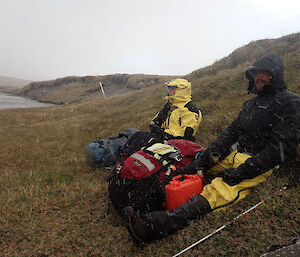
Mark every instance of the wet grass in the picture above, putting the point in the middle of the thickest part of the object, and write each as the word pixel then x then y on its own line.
pixel 53 204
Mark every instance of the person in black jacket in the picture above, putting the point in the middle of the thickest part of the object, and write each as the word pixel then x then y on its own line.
pixel 265 134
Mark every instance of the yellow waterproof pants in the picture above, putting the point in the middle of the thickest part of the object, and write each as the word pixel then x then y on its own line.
pixel 218 193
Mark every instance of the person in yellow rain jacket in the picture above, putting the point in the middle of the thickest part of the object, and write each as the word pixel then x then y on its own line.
pixel 264 135
pixel 180 117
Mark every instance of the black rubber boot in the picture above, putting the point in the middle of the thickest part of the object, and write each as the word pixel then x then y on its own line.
pixel 158 224
pixel 139 229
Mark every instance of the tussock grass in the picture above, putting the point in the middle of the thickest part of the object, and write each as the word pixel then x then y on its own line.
pixel 53 204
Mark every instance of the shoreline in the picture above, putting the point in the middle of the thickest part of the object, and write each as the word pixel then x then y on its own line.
pixel 11 101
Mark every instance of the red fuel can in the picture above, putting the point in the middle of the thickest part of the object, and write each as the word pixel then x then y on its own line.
pixel 181 189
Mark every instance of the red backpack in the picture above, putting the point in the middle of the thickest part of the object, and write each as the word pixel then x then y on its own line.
pixel 140 179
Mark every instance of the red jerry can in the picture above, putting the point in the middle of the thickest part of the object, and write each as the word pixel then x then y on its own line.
pixel 181 189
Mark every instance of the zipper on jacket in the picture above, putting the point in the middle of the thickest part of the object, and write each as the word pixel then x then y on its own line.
pixel 253 108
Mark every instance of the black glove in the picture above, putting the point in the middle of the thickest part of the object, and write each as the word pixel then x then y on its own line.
pixel 154 128
pixel 207 159
pixel 251 168
pixel 232 176
pixel 204 161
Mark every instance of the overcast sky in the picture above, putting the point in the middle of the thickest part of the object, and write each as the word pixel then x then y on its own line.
pixel 47 39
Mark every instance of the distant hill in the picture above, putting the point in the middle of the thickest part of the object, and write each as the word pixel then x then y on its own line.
pixel 204 80
pixel 285 46
pixel 74 89
pixel 8 83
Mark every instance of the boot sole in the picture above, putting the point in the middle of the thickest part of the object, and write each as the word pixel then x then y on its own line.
pixel 128 213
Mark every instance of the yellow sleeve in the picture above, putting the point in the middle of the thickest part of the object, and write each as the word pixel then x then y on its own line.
pixel 180 119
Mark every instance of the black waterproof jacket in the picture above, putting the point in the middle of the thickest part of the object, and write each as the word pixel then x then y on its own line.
pixel 267 127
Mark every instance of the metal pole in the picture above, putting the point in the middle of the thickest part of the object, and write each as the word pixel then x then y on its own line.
pixel 101 87
pixel 229 222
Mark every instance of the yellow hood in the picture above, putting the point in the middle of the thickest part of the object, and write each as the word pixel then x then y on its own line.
pixel 183 92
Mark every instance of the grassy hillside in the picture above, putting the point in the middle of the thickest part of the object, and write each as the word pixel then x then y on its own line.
pixel 284 46
pixel 75 89
pixel 7 83
pixel 53 204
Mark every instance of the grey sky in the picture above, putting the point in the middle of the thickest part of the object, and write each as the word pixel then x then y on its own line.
pixel 47 39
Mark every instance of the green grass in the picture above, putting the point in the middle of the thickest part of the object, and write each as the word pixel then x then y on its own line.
pixel 53 204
